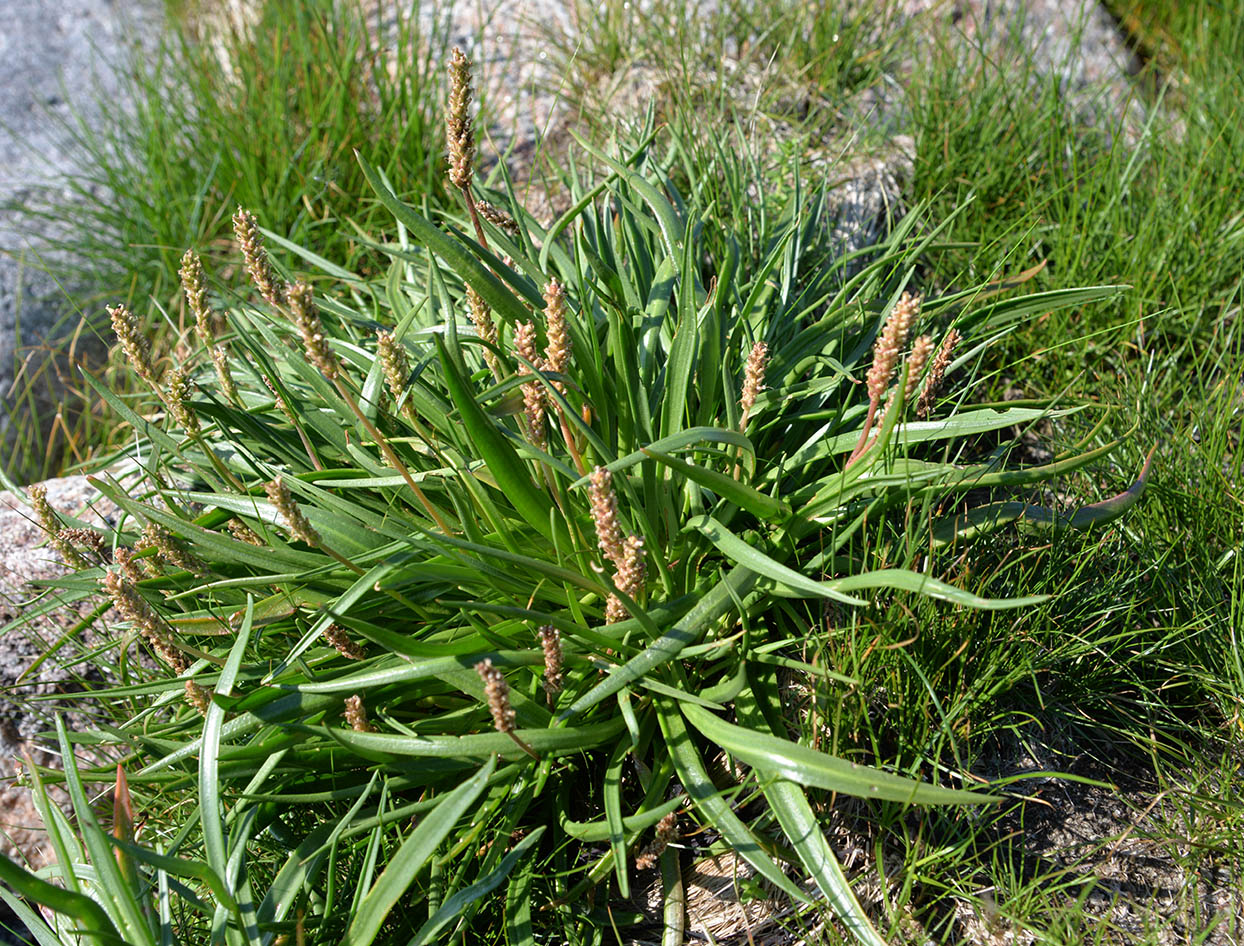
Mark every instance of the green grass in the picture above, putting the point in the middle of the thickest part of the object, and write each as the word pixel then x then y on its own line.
pixel 1132 671
pixel 266 117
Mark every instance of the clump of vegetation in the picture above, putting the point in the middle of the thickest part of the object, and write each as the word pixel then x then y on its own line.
pixel 267 114
pixel 483 578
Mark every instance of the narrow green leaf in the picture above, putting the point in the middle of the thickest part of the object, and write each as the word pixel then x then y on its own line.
pixel 414 852
pixel 727 487
pixel 454 907
pixel 783 759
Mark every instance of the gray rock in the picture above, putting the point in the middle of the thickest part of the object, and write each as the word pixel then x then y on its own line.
pixel 58 61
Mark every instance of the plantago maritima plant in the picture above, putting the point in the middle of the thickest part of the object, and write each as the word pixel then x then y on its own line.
pixel 675 547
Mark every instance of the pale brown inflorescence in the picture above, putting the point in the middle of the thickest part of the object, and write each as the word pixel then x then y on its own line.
pixel 124 558
pixel 356 714
pixel 534 401
pixel 394 363
pixel 178 400
pixel 135 609
pixel 337 637
pixel 91 540
pixel 605 515
pixel 243 533
pixel 551 643
pixel 629 579
pixel 667 834
pixel 937 374
pixel 497 217
pixel 557 353
pixel 459 133
pixel 890 343
pixel 256 256
pixel 485 328
pixel 497 693
pixel 50 523
pixel 199 697
pixel 170 551
pixel 134 343
pixel 754 376
pixel 311 328
pixel 280 497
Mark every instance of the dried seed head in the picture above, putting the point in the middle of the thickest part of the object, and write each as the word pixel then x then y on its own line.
pixel 337 637
pixel 243 533
pixel 558 350
pixel 307 321
pixel 356 714
pixel 667 834
pixel 920 351
pixel 525 345
pixel 206 322
pixel 937 374
pixel 497 217
pixel 220 359
pixel 170 551
pixel 257 265
pixel 135 609
pixel 630 579
pixel 133 342
pixel 497 692
pixel 125 559
pixel 551 642
pixel 533 407
pixel 485 328
pixel 605 515
pixel 199 697
pixel 754 376
pixel 394 363
pixel 280 497
pixel 891 341
pixel 92 541
pixel 458 131
pixel 178 401
pixel 50 523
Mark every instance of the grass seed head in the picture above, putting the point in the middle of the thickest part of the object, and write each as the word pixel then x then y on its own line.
pixel 551 642
pixel 297 523
pixel 754 376
pixel 92 541
pixel 134 343
pixel 937 374
pixel 194 285
pixel 497 217
pixel 605 515
pixel 50 523
pixel 558 351
pixel 198 696
pixel 890 343
pixel 220 359
pixel 178 401
pixel 311 328
pixel 394 364
pixel 256 256
pixel 485 328
pixel 497 692
pixel 337 637
pixel 124 559
pixel 630 579
pixel 666 834
pixel 356 714
pixel 243 533
pixel 135 609
pixel 170 551
pixel 459 134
